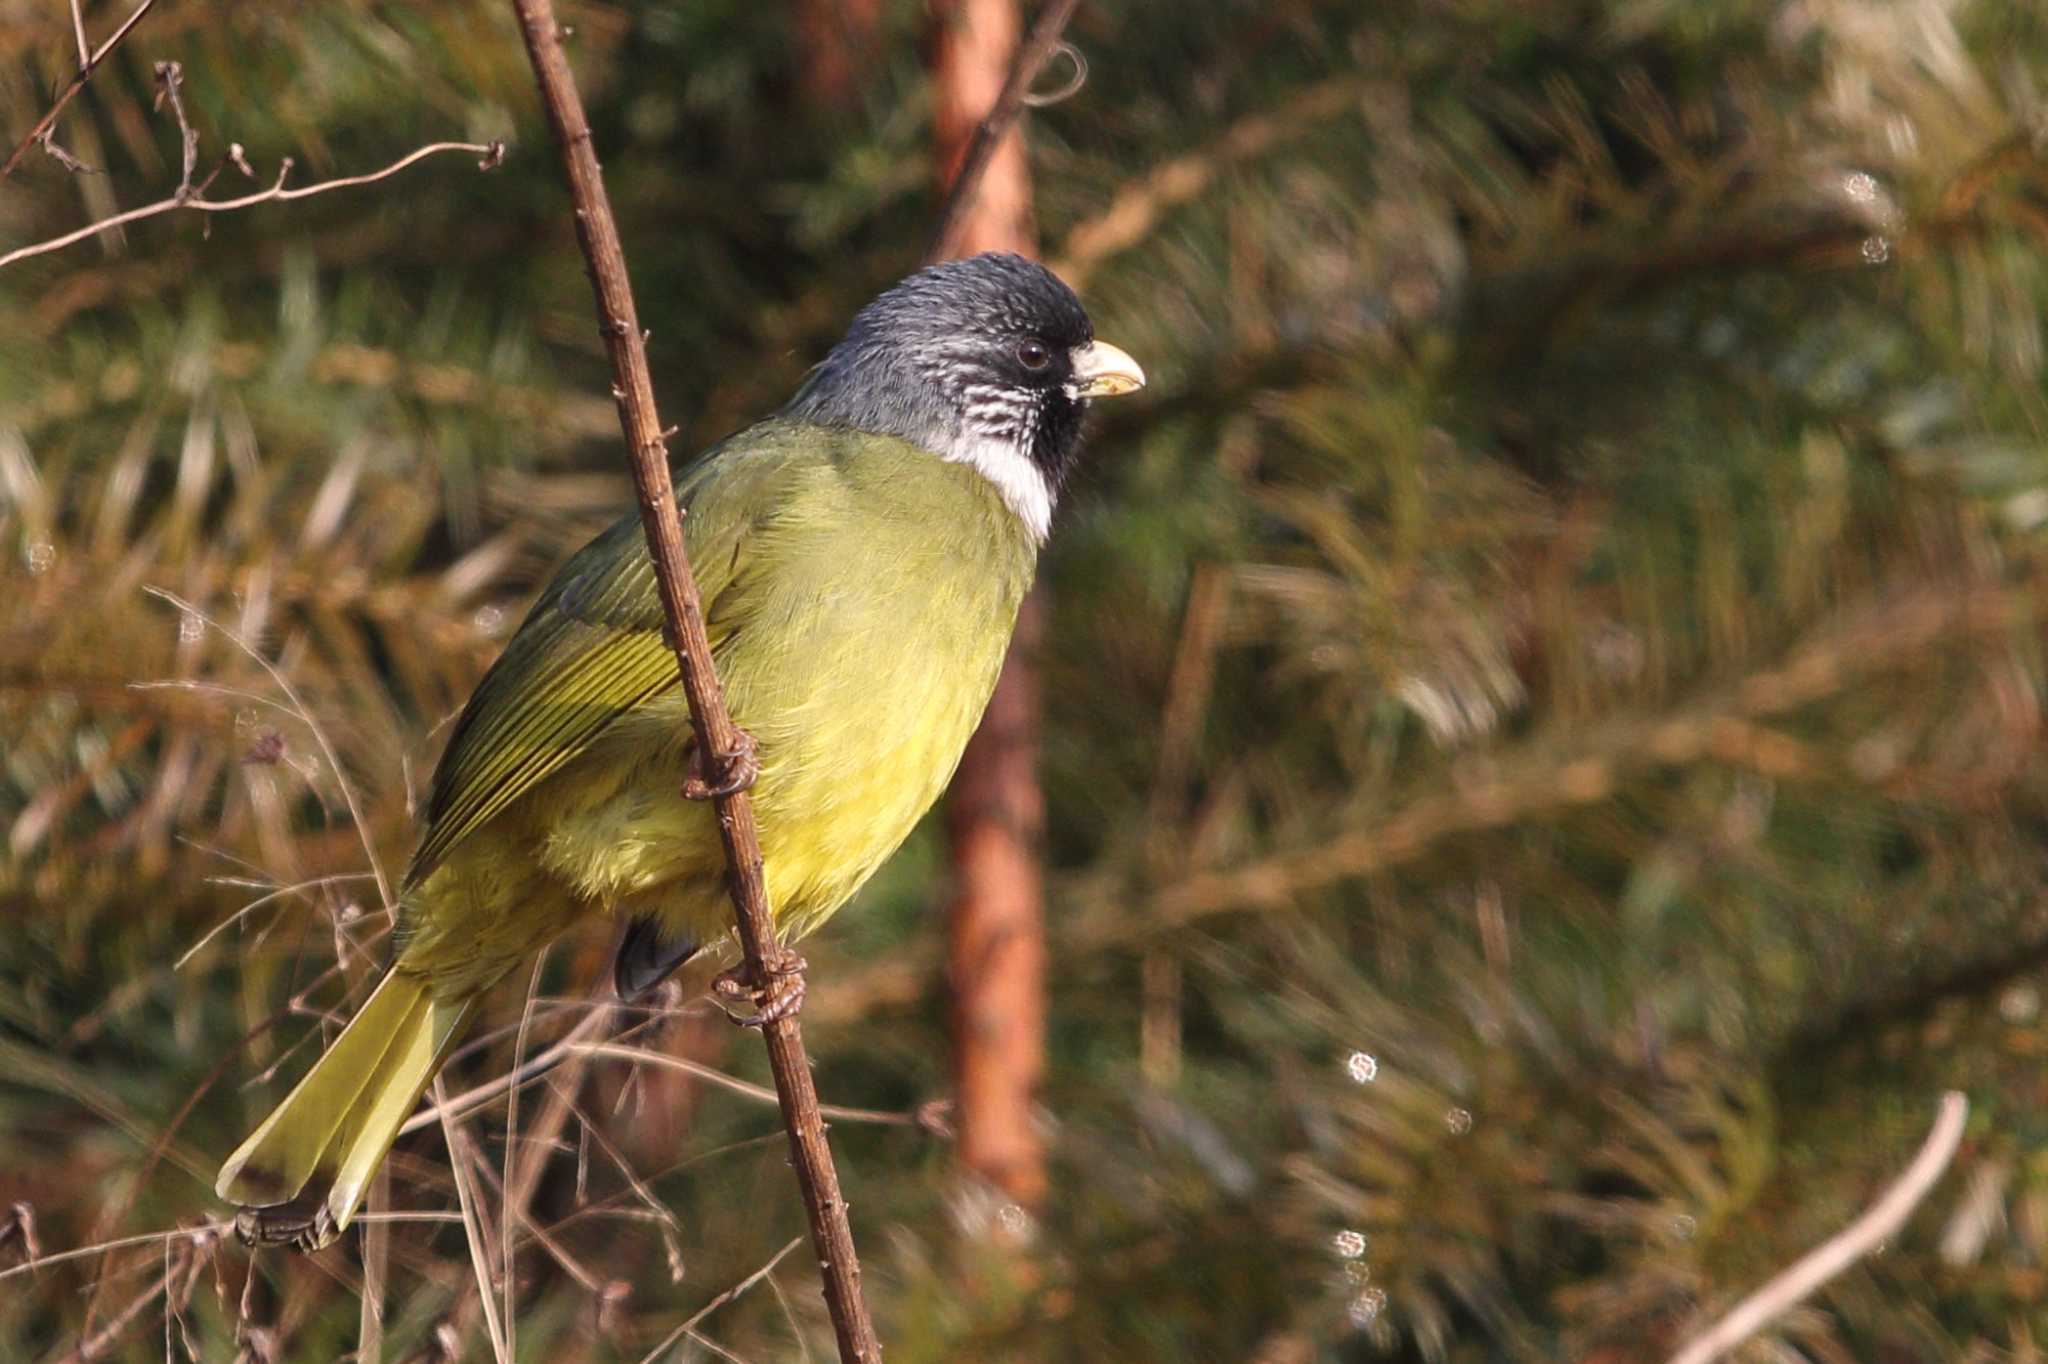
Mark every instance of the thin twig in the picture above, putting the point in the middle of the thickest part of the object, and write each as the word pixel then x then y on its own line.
pixel 712 1075
pixel 120 1243
pixel 671 1227
pixel 462 1105
pixel 170 89
pixel 48 121
pixel 281 892
pixel 1792 1286
pixel 299 708
pixel 718 739
pixel 721 1300
pixel 1032 55
pixel 489 155
pixel 175 1268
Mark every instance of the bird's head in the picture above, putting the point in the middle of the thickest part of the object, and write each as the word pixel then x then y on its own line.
pixel 988 361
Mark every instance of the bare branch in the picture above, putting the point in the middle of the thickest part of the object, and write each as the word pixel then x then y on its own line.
pixel 44 125
pixel 1791 1287
pixel 489 154
pixel 720 744
pixel 1032 55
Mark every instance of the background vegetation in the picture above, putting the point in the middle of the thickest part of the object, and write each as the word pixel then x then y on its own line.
pixel 1544 693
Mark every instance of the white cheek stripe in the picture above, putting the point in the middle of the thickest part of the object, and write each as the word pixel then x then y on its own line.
pixel 1019 481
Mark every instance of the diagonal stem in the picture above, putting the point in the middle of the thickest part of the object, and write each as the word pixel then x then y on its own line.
pixel 85 69
pixel 717 737
pixel 1032 55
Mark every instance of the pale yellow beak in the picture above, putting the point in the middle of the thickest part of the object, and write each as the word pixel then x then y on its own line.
pixel 1105 371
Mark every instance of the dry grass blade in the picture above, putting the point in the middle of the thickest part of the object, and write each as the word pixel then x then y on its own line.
pixel 472 1225
pixel 510 1214
pixel 1806 1274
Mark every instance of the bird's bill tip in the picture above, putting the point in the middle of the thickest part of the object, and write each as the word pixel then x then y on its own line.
pixel 1105 371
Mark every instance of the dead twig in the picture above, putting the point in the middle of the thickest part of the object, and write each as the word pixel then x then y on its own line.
pixel 1032 54
pixel 186 1253
pixel 462 1105
pixel 721 1300
pixel 1799 1279
pixel 192 197
pixel 718 739
pixel 170 89
pixel 295 705
pixel 47 124
pixel 21 1222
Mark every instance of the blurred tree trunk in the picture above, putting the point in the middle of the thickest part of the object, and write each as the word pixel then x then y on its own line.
pixel 838 38
pixel 996 923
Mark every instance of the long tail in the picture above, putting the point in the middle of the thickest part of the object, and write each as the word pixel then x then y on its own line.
pixel 302 1174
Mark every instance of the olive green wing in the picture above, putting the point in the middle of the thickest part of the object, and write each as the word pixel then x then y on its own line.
pixel 591 649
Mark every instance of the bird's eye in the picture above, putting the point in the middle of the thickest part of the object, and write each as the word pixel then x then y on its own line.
pixel 1033 354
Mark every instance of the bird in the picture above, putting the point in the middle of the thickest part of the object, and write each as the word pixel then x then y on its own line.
pixel 861 554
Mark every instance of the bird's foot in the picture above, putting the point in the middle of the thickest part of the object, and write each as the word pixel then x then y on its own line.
pixel 736 769
pixel 778 997
pixel 303 1224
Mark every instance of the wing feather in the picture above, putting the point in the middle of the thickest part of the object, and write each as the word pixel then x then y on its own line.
pixel 591 649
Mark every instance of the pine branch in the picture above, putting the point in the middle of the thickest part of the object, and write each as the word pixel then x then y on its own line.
pixel 720 743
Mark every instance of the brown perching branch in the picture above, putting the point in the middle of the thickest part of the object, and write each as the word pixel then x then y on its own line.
pixel 1798 1280
pixel 1032 55
pixel 722 749
pixel 87 64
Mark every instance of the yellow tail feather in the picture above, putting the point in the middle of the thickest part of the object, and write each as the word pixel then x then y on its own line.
pixel 302 1174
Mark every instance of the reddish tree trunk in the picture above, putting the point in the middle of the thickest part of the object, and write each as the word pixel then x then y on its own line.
pixel 838 38
pixel 995 932
pixel 996 923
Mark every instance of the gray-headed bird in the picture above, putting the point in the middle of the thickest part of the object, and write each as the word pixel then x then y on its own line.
pixel 861 556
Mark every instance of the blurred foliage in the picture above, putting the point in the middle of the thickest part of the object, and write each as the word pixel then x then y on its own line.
pixel 1545 691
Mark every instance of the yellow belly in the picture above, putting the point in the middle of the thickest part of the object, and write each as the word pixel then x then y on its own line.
pixel 844 779
pixel 861 701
